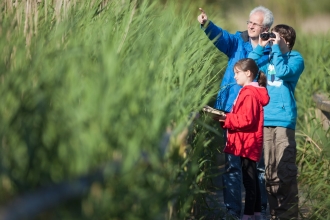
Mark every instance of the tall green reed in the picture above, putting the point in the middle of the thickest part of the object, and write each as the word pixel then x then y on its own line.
pixel 89 83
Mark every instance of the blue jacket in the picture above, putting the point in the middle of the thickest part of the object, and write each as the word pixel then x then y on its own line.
pixel 235 46
pixel 283 72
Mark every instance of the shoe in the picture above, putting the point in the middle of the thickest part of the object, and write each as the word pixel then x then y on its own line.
pixel 261 217
pixel 230 216
pixel 264 217
pixel 247 217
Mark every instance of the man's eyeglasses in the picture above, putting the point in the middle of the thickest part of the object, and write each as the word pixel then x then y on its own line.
pixel 253 24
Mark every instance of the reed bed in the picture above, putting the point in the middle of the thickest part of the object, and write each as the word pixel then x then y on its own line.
pixel 88 83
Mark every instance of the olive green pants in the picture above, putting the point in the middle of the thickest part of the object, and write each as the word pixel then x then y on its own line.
pixel 281 172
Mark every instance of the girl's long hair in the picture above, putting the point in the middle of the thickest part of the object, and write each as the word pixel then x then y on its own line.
pixel 249 64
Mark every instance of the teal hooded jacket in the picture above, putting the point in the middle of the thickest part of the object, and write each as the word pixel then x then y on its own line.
pixel 283 72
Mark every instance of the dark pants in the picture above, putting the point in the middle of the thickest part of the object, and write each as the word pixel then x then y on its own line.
pixel 281 172
pixel 262 183
pixel 232 180
pixel 251 185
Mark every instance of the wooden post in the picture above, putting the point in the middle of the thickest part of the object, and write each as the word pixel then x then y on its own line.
pixel 322 109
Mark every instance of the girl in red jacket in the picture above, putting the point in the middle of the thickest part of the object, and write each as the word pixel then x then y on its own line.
pixel 244 125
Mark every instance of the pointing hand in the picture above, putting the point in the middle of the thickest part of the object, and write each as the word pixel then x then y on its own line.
pixel 202 18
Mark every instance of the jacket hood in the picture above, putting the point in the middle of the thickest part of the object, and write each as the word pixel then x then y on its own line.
pixel 259 92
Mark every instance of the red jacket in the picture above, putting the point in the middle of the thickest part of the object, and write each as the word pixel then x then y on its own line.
pixel 245 122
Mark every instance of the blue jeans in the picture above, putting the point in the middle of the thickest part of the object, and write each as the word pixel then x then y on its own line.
pixel 232 182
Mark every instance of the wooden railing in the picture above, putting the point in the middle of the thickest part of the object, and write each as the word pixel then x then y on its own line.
pixel 322 101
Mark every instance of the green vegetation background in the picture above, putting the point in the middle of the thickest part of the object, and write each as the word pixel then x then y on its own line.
pixel 84 85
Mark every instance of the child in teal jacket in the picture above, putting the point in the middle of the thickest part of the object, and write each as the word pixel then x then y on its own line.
pixel 283 69
pixel 283 72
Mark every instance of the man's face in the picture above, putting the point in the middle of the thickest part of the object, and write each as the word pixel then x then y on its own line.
pixel 255 26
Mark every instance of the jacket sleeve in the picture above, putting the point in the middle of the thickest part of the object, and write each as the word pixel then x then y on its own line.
pixel 245 118
pixel 287 69
pixel 258 53
pixel 227 43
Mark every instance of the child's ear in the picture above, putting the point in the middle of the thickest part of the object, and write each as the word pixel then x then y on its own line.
pixel 248 73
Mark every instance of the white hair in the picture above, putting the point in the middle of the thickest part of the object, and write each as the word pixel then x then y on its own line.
pixel 268 15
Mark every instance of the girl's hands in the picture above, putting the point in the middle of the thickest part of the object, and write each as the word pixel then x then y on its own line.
pixel 219 118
